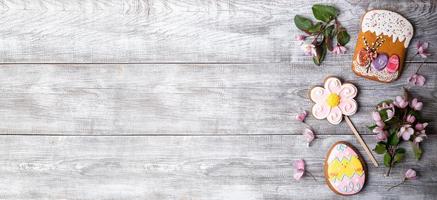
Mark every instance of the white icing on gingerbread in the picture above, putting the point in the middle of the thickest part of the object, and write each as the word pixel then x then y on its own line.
pixel 388 23
pixel 334 100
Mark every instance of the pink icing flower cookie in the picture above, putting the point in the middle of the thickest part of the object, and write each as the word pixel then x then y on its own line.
pixel 334 100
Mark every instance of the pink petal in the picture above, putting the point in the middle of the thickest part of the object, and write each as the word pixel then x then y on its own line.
pixel 425 45
pixel 319 94
pixel 410 174
pixel 298 174
pixel 336 50
pixel 348 91
pixel 301 116
pixel 411 119
pixel 335 116
pixel 376 116
pixel 418 44
pixel 378 130
pixel 420 80
pixel 320 111
pixel 343 49
pixel 381 136
pixel 416 105
pixel 407 134
pixel 299 164
pixel 309 135
pixel 390 114
pixel 418 139
pixel 380 124
pixel 412 79
pixel 333 85
pixel 348 106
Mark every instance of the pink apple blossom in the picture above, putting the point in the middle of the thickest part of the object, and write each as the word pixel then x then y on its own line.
pixel 400 102
pixel 301 116
pixel 299 169
pixel 416 105
pixel 301 37
pixel 421 127
pixel 419 138
pixel 382 136
pixel 411 119
pixel 405 132
pixel 410 174
pixel 422 49
pixel 309 49
pixel 309 135
pixel 339 50
pixel 417 79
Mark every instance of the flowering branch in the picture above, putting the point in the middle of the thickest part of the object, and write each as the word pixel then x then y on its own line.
pixel 324 31
pixel 409 175
pixel 397 121
pixel 421 50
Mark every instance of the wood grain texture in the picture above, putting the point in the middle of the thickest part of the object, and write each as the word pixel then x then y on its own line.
pixel 110 31
pixel 188 167
pixel 184 99
pixel 181 99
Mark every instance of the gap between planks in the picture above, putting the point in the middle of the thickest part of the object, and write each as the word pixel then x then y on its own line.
pixel 171 135
pixel 185 63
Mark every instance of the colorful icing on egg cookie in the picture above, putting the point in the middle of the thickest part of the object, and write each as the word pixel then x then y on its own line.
pixel 383 34
pixel 380 62
pixel 393 64
pixel 345 171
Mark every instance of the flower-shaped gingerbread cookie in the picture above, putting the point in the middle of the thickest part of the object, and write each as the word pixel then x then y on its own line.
pixel 334 100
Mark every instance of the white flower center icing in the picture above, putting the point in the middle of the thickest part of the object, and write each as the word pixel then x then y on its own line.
pixel 388 23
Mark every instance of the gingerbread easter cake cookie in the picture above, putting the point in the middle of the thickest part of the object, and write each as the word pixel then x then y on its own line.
pixel 381 45
pixel 345 171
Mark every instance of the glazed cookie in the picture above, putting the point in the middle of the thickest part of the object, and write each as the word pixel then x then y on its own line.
pixel 381 45
pixel 345 171
pixel 333 100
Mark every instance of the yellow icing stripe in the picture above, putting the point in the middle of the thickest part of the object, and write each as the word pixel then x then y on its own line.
pixel 337 169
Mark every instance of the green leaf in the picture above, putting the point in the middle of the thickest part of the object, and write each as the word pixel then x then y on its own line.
pixel 417 150
pixel 328 32
pixel 302 23
pixel 321 53
pixel 371 127
pixel 324 13
pixel 380 148
pixel 393 139
pixel 383 114
pixel 316 27
pixel 387 159
pixel 343 37
pixel 399 155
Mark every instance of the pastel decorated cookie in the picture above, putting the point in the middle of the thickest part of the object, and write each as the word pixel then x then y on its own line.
pixel 345 171
pixel 334 100
pixel 381 45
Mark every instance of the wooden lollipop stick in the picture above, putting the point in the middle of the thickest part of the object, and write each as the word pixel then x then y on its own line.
pixel 360 139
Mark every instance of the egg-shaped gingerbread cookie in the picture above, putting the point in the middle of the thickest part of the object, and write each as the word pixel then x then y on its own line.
pixel 345 171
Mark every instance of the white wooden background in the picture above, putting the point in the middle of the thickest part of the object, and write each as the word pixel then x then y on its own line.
pixel 183 99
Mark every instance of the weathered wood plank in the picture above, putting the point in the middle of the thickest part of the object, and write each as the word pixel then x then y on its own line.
pixel 108 31
pixel 187 167
pixel 181 99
